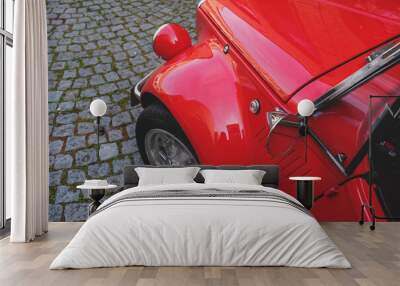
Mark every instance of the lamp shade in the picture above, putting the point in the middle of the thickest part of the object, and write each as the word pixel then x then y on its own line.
pixel 98 107
pixel 305 107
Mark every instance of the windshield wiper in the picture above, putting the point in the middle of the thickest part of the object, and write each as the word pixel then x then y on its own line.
pixel 378 62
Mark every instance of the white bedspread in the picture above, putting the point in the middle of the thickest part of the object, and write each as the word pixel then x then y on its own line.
pixel 200 231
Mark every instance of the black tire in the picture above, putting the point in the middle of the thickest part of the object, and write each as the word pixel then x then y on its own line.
pixel 156 116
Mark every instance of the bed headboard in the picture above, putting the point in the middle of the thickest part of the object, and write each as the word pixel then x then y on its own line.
pixel 271 177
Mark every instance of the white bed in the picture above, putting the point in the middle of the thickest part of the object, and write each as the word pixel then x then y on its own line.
pixel 207 230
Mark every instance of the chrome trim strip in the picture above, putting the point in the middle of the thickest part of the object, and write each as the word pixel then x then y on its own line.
pixel 138 87
pixel 377 64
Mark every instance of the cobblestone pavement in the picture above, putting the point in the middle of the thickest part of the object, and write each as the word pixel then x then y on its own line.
pixel 98 49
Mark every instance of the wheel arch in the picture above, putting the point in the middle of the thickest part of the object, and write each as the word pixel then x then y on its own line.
pixel 148 98
pixel 157 116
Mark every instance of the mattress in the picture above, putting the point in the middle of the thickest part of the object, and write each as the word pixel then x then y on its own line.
pixel 201 225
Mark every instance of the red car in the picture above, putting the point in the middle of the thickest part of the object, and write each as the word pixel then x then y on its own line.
pixel 232 97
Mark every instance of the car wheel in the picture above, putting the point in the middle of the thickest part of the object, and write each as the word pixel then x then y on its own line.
pixel 160 139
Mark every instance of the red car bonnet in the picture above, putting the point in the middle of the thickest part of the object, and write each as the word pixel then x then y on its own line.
pixel 292 42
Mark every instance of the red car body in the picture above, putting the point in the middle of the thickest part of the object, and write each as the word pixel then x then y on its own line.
pixel 280 52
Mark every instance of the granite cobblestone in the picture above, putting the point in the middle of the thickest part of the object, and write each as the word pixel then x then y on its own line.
pixel 98 49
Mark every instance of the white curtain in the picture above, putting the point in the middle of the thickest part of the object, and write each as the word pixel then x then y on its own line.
pixel 27 124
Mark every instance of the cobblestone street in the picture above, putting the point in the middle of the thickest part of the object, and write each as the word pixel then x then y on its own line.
pixel 98 49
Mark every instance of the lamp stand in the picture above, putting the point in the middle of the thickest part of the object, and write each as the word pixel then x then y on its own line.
pixel 303 130
pixel 98 135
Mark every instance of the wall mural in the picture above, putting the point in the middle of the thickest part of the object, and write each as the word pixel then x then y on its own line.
pixel 98 49
pixel 259 97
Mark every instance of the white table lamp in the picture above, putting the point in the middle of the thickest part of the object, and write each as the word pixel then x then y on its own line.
pixel 98 108
pixel 305 108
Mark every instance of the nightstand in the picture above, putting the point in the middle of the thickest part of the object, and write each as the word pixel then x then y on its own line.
pixel 305 190
pixel 96 193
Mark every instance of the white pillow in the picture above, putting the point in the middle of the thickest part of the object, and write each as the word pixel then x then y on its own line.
pixel 248 177
pixel 162 176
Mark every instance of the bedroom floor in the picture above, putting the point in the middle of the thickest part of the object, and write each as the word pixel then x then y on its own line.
pixel 375 257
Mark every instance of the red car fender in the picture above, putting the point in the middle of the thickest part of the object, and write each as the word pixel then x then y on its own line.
pixel 209 93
